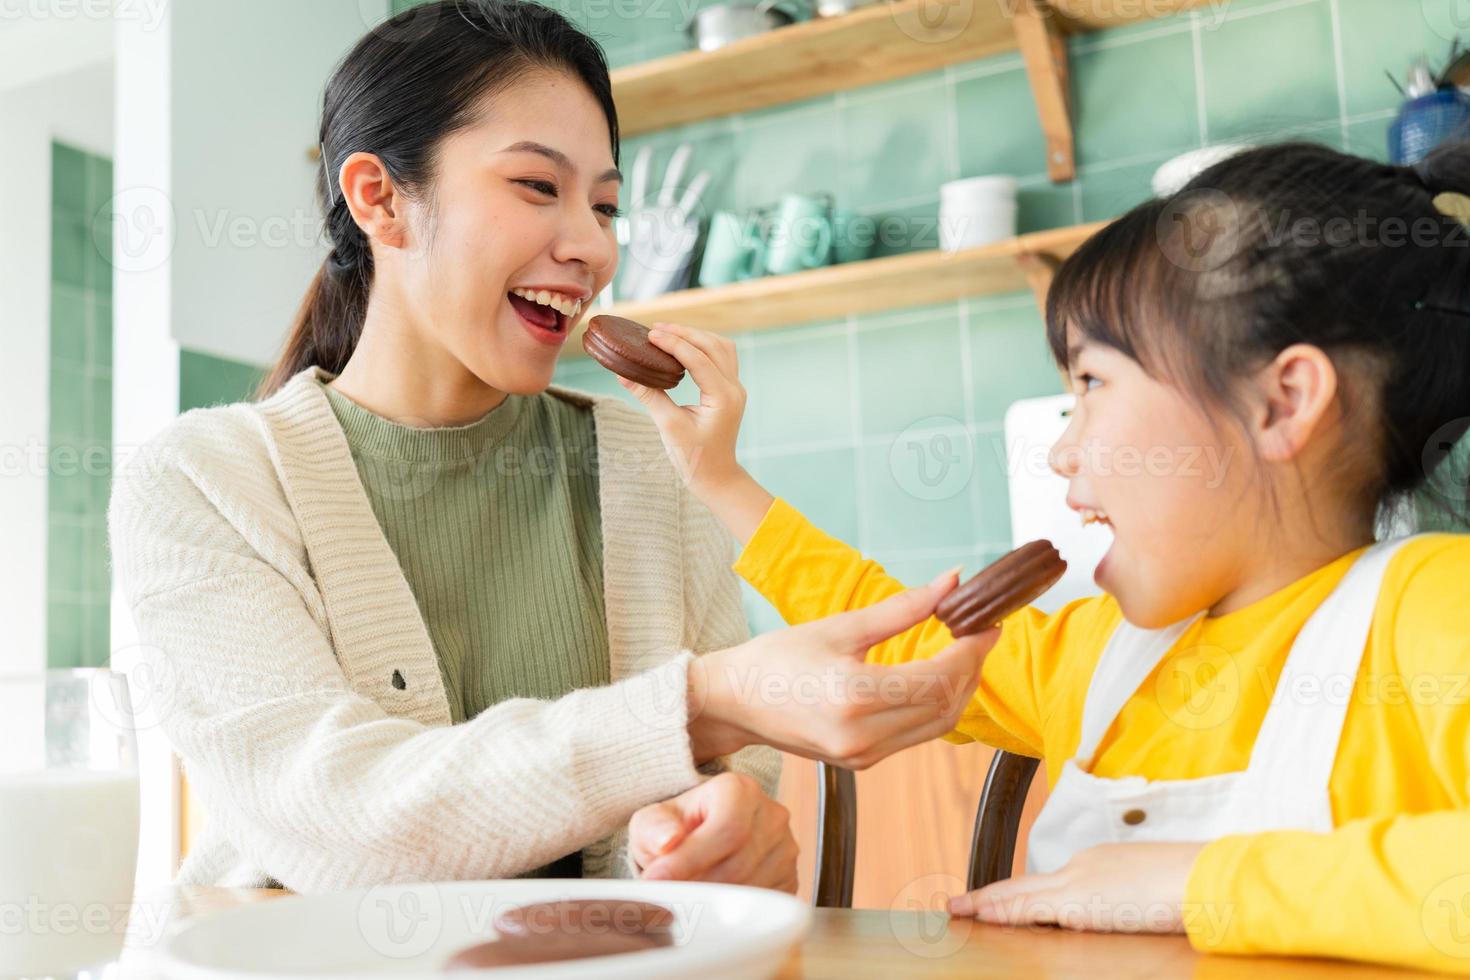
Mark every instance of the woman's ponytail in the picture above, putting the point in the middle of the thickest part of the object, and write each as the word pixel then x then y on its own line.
pixel 329 321
pixel 408 84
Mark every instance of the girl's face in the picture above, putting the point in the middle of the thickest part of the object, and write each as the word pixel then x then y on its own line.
pixel 524 202
pixel 1140 456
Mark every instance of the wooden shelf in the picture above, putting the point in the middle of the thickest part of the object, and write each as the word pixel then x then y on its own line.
pixel 911 279
pixel 872 44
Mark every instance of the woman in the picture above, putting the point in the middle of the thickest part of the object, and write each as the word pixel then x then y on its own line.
pixel 422 617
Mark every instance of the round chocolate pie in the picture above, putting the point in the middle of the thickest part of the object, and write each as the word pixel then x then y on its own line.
pixel 622 346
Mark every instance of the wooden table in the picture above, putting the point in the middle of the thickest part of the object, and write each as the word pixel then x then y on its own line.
pixel 861 944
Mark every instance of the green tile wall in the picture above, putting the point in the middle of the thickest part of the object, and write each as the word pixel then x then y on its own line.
pixel 854 420
pixel 80 436
pixel 206 380
pixel 78 581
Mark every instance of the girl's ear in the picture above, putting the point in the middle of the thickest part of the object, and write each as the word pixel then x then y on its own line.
pixel 1295 392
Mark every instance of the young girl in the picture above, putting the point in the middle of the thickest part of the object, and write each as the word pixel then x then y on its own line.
pixel 1258 733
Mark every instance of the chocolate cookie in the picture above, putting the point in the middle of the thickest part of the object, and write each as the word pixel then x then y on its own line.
pixel 575 929
pixel 589 916
pixel 622 346
pixel 552 948
pixel 1001 588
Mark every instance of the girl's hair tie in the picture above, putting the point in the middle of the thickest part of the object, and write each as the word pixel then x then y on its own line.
pixel 1453 204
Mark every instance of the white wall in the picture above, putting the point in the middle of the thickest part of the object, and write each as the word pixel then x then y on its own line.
pixel 145 379
pixel 247 89
pixel 218 235
pixel 75 108
pixel 41 40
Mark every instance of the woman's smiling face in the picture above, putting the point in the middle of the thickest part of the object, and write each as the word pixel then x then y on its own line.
pixel 1147 459
pixel 523 202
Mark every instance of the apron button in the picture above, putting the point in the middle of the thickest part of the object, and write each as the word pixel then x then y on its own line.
pixel 1134 817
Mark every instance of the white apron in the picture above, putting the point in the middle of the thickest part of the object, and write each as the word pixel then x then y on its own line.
pixel 1285 784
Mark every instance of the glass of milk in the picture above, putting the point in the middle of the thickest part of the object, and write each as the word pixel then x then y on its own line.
pixel 68 822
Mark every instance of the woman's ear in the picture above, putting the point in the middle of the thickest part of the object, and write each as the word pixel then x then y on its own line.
pixel 374 201
pixel 1294 393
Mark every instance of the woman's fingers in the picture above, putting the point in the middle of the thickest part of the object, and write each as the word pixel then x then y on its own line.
pixel 775 868
pixel 654 830
pixel 864 628
pixel 958 664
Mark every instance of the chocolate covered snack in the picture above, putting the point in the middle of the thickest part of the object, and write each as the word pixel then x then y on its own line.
pixel 575 929
pixel 553 948
pixel 589 916
pixel 622 346
pixel 1009 584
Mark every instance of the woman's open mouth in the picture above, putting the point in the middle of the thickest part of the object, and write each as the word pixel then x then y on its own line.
pixel 546 315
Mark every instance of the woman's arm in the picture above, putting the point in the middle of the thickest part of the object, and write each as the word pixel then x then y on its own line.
pixel 321 787
pixel 717 621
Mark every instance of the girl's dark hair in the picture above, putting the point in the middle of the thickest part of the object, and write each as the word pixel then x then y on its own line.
pixel 1298 243
pixel 412 81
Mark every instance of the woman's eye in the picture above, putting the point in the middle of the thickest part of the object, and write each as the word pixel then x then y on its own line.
pixel 549 189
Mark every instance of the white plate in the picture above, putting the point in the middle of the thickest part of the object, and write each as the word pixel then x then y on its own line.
pixel 721 932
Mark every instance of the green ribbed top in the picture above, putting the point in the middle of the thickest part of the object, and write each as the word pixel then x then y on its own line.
pixel 498 528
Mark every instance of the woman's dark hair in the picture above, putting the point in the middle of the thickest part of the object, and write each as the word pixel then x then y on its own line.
pixel 412 81
pixel 1298 243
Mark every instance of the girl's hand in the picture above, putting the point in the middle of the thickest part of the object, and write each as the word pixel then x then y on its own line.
pixel 808 689
pixel 1109 888
pixel 700 439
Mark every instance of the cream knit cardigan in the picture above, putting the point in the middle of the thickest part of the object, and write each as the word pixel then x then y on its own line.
pixel 279 627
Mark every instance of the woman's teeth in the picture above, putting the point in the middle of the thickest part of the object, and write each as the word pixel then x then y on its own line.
pixel 564 305
pixel 1090 516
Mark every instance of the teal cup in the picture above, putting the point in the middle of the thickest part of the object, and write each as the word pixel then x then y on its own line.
pixel 801 234
pixel 853 235
pixel 734 250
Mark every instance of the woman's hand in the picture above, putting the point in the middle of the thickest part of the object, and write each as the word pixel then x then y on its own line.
pixel 808 690
pixel 1109 888
pixel 724 830
pixel 700 439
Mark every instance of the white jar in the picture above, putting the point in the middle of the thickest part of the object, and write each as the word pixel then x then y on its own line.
pixel 977 211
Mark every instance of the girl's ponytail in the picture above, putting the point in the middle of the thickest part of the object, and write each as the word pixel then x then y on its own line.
pixel 1445 170
pixel 1442 503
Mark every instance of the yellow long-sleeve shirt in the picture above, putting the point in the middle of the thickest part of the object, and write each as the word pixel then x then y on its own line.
pixel 1391 882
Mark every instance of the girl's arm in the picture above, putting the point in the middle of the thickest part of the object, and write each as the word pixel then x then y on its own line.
pixel 806 574
pixel 1388 890
pixel 1392 887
